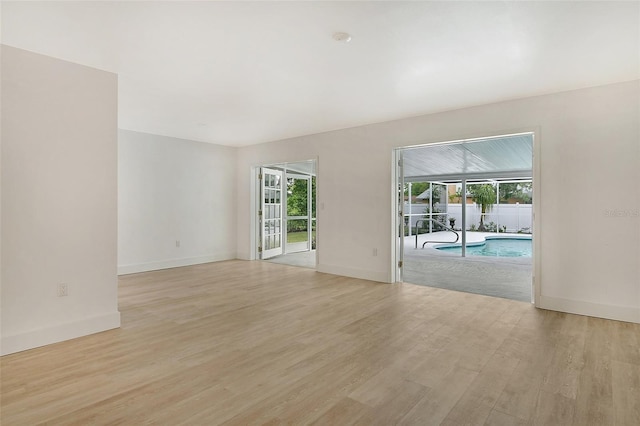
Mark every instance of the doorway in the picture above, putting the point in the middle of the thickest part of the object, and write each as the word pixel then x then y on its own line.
pixel 286 213
pixel 465 219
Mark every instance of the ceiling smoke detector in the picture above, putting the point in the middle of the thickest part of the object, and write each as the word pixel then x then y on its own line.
pixel 342 37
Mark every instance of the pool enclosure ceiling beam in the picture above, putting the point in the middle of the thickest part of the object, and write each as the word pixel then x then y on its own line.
pixel 457 177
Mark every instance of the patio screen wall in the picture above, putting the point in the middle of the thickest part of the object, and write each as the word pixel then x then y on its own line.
pixel 515 217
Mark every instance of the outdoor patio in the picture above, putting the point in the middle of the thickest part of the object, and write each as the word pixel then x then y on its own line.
pixel 506 277
pixel 303 259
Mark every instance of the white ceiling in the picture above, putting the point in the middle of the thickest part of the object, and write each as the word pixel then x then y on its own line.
pixel 239 73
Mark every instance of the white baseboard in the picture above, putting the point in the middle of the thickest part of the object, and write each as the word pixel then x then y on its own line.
pixel 58 333
pixel 244 256
pixel 173 263
pixel 354 273
pixel 619 313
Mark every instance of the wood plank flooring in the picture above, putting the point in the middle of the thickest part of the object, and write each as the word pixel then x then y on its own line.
pixel 239 343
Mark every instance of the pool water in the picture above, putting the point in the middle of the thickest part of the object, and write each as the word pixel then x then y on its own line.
pixel 502 247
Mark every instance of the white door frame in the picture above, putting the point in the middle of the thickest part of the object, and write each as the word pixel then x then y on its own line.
pixel 298 247
pixel 397 213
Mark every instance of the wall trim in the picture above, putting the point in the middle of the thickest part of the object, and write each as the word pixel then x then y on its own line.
pixel 363 274
pixel 59 333
pixel 612 312
pixel 173 263
pixel 241 255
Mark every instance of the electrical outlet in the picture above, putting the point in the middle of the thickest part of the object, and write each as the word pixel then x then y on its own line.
pixel 63 290
pixel 177 243
pixel 375 251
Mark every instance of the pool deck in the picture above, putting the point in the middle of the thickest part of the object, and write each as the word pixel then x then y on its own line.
pixel 507 277
pixel 446 238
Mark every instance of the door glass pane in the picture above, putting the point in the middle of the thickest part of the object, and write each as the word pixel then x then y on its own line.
pixel 271 226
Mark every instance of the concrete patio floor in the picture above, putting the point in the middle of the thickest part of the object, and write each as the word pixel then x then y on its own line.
pixel 303 259
pixel 506 277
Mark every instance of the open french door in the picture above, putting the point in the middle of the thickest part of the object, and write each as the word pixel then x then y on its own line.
pixel 298 217
pixel 270 213
pixel 400 224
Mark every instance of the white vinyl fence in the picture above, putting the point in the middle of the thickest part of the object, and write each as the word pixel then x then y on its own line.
pixel 505 217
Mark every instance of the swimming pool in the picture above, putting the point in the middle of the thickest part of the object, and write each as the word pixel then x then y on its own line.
pixel 496 247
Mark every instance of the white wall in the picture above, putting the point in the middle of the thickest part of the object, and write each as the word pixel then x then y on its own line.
pixel 588 141
pixel 59 195
pixel 174 190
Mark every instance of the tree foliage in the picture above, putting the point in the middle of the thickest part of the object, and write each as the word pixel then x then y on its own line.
pixel 297 197
pixel 518 191
pixel 418 188
pixel 485 196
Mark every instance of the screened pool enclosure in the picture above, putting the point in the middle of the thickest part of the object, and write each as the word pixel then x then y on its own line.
pixel 455 197
pixel 491 205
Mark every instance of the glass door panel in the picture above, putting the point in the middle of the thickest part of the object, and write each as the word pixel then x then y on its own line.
pixel 271 224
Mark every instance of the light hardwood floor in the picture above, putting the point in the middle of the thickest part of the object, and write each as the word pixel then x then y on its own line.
pixel 258 343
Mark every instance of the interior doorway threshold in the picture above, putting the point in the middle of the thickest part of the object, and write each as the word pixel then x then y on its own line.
pixel 303 259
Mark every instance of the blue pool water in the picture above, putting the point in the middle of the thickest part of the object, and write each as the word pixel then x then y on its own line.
pixel 502 247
